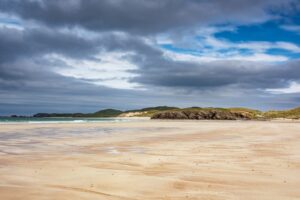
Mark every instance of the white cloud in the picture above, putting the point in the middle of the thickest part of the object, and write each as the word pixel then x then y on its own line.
pixel 264 46
pixel 209 48
pixel 294 28
pixel 294 87
pixel 111 70
pixel 12 26
pixel 257 57
pixel 7 21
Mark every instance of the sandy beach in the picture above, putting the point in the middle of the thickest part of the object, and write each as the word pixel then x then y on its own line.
pixel 170 160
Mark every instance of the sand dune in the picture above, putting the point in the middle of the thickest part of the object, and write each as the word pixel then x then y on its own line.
pixel 151 160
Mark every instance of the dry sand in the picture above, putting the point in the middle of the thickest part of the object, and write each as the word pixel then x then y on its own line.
pixel 151 160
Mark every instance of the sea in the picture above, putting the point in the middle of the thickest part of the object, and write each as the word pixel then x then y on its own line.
pixel 36 120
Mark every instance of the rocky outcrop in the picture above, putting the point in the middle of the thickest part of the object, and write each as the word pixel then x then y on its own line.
pixel 203 115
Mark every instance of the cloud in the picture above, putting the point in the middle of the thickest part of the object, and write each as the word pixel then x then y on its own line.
pixel 83 55
pixel 142 16
pixel 232 56
pixel 37 42
pixel 54 71
pixel 30 86
pixel 293 28
pixel 204 44
pixel 176 72
pixel 294 87
pixel 110 69
pixel 30 78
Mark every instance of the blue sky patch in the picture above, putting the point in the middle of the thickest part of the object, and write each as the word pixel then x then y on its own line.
pixel 271 32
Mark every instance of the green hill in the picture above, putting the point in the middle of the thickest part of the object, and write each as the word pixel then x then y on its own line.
pixel 158 108
pixel 101 113
pixel 106 113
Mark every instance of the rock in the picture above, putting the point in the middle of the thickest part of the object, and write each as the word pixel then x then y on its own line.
pixel 202 114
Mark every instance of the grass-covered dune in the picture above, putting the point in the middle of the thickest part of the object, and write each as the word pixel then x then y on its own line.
pixel 146 112
pixel 287 114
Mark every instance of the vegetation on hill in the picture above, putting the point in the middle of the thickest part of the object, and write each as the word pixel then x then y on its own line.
pixel 215 113
pixel 190 112
pixel 208 113
pixel 106 113
pixel 101 113
pixel 287 114
pixel 41 115
pixel 158 108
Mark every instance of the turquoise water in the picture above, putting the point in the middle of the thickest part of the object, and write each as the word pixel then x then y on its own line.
pixel 5 120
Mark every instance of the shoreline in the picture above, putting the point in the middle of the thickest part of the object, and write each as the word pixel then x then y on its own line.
pixel 72 120
pixel 137 120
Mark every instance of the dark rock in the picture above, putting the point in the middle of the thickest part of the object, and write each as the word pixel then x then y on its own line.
pixel 202 115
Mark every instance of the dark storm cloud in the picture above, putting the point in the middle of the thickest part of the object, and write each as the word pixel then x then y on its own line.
pixel 141 16
pixel 208 75
pixel 23 52
pixel 34 42
pixel 21 57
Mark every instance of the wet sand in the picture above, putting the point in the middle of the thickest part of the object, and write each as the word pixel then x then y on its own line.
pixel 210 160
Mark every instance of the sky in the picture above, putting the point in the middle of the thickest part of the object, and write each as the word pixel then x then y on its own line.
pixel 88 55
